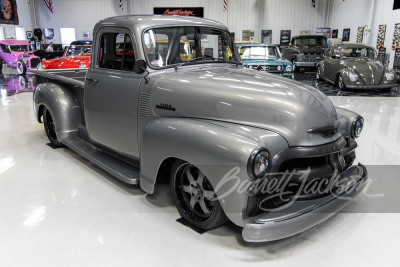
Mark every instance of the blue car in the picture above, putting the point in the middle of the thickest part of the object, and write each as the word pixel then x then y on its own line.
pixel 265 57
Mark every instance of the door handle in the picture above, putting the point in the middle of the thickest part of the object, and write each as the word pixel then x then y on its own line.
pixel 90 79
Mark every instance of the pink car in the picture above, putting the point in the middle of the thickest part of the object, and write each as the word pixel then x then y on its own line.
pixel 18 54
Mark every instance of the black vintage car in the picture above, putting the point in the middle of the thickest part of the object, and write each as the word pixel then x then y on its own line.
pixel 305 50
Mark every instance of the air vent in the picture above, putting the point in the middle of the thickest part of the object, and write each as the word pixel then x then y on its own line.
pixel 144 105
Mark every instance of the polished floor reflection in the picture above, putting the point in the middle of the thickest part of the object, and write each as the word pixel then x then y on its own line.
pixel 58 209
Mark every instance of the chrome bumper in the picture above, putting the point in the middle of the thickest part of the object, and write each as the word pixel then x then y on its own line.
pixel 381 86
pixel 305 64
pixel 302 215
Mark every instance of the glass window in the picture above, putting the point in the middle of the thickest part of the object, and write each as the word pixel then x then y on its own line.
pixel 5 48
pixel 116 51
pixel 258 52
pixel 20 33
pixel 359 52
pixel 311 41
pixel 20 48
pixel 67 36
pixel 176 45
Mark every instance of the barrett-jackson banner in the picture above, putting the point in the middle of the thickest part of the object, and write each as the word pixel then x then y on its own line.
pixel 181 11
pixel 8 14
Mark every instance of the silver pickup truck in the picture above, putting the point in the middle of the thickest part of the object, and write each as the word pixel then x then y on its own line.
pixel 167 98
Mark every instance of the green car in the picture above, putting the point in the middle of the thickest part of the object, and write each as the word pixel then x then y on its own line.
pixel 265 57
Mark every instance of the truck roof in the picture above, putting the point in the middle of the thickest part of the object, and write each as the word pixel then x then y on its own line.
pixel 146 21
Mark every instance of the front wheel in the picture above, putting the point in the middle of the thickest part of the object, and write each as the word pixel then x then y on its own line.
pixel 340 82
pixel 21 67
pixel 194 197
pixel 50 128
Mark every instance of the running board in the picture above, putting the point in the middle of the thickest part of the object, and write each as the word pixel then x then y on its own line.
pixel 123 171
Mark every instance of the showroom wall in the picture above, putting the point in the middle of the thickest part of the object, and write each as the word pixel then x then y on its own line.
pixel 358 13
pixel 24 16
pixel 254 15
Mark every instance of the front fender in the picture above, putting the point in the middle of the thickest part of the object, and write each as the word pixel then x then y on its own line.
pixel 217 149
pixel 63 106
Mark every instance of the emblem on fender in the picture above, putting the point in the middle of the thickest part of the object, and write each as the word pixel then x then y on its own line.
pixel 166 106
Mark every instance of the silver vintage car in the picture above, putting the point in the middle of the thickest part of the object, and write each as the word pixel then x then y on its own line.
pixel 355 66
pixel 235 144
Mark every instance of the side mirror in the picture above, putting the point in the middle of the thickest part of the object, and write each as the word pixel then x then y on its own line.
pixel 140 66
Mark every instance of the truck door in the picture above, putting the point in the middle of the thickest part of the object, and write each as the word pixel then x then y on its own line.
pixel 112 91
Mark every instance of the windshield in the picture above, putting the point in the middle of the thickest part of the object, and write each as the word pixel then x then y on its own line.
pixel 311 41
pixel 20 48
pixel 175 45
pixel 258 52
pixel 79 50
pixel 359 52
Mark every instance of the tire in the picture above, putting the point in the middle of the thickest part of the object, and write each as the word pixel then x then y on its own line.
pixel 21 67
pixel 50 128
pixel 193 196
pixel 318 74
pixel 340 82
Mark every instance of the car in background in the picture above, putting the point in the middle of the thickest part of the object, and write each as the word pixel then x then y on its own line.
pixel 264 57
pixel 77 55
pixel 18 54
pixel 355 66
pixel 305 50
pixel 240 43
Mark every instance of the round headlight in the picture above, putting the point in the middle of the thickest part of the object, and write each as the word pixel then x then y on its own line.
pixel 260 164
pixel 40 67
pixel 353 76
pixel 82 66
pixel 357 127
pixel 289 68
pixel 389 76
pixel 279 68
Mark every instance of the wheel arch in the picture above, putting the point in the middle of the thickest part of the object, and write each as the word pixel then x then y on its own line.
pixel 63 106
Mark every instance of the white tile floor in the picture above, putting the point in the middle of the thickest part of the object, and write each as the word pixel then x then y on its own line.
pixel 57 209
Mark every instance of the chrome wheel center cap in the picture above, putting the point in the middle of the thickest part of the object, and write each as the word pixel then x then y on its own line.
pixel 197 191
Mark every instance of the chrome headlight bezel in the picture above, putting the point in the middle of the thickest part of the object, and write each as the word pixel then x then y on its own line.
pixel 258 163
pixel 40 67
pixel 389 76
pixel 279 68
pixel 353 76
pixel 357 126
pixel 289 68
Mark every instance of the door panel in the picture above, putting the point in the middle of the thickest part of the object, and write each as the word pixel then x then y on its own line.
pixel 112 92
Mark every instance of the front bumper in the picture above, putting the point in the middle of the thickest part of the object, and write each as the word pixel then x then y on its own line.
pixel 305 64
pixel 381 86
pixel 302 215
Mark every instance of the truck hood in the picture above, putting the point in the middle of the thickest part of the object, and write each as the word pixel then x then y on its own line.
pixel 369 70
pixel 246 97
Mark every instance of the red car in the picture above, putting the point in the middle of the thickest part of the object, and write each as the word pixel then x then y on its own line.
pixel 77 55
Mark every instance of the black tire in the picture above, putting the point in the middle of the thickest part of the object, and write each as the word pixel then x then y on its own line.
pixel 50 128
pixel 318 74
pixel 21 67
pixel 193 197
pixel 340 82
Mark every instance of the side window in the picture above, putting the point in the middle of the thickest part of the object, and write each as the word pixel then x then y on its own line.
pixel 116 51
pixel 5 48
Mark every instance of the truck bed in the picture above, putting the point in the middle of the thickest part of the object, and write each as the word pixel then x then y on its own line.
pixel 75 77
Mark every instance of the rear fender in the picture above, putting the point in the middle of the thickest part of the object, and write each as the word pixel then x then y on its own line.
pixel 63 106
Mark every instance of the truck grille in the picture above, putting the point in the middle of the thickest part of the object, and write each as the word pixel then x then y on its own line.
pixel 312 57
pixel 267 68
pixel 34 62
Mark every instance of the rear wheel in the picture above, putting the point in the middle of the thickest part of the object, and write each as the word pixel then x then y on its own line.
pixel 194 197
pixel 340 82
pixel 50 128
pixel 21 67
